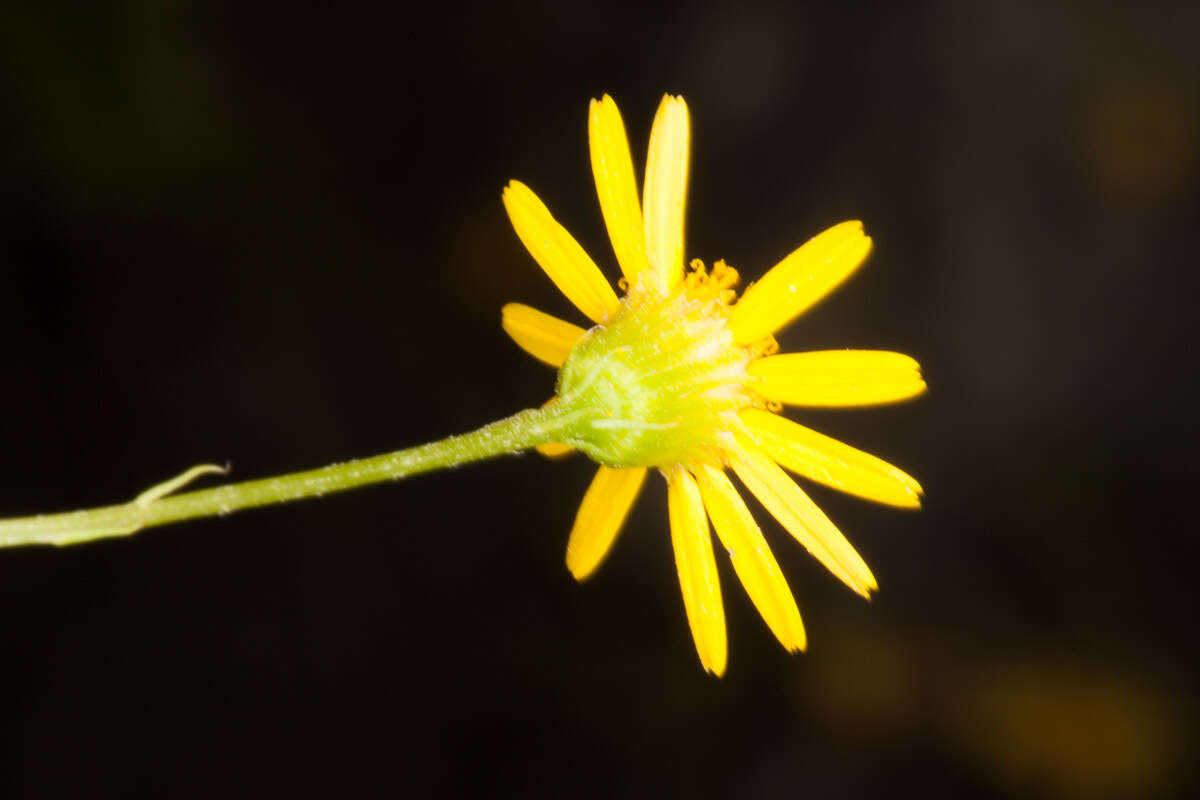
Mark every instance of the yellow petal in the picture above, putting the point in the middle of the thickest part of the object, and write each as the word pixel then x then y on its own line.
pixel 554 449
pixel 697 569
pixel 752 559
pixel 666 191
pixel 800 280
pixel 780 495
pixel 544 337
pixel 612 167
pixel 838 378
pixel 825 460
pixel 601 514
pixel 557 252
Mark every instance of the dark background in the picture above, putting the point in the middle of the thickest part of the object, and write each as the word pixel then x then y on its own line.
pixel 271 235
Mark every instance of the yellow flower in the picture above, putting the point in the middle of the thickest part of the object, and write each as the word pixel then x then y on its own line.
pixel 677 376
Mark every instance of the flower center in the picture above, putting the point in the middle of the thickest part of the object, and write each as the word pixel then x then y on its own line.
pixel 661 380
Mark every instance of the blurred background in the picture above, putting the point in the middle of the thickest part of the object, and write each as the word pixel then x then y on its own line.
pixel 271 234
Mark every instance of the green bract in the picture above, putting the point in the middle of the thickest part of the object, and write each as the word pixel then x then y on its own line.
pixel 657 383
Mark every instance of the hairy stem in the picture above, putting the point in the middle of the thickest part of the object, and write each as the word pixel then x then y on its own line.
pixel 157 506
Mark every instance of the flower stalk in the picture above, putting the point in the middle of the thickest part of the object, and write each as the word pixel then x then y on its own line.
pixel 160 505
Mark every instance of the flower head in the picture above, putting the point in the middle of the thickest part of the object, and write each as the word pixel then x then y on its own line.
pixel 681 376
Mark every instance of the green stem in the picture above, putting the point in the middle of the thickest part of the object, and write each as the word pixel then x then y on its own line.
pixel 153 507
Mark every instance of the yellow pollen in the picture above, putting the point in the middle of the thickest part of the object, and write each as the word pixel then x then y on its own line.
pixel 716 285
